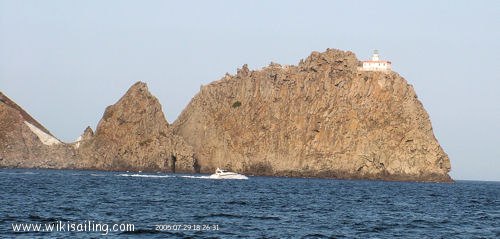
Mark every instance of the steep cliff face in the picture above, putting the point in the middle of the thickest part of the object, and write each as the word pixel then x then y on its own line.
pixel 25 143
pixel 322 118
pixel 134 135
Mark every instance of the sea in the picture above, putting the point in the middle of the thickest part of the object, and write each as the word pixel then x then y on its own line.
pixel 95 204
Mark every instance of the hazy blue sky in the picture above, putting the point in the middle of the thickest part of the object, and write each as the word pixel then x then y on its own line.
pixel 65 61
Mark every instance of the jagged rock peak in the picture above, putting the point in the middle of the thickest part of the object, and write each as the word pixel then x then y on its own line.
pixel 137 105
pixel 137 92
pixel 88 133
pixel 244 71
pixel 331 60
pixel 331 57
pixel 134 135
pixel 139 87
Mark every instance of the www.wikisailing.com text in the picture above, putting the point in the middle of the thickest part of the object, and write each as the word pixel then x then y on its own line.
pixel 86 226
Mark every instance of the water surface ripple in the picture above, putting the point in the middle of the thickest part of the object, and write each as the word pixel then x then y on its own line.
pixel 261 207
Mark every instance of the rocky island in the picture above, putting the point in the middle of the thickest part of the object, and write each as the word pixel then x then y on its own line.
pixel 322 118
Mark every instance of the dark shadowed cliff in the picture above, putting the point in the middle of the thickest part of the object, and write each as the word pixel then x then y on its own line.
pixel 322 118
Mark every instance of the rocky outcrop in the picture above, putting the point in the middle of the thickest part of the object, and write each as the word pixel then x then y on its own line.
pixel 87 135
pixel 25 143
pixel 134 135
pixel 322 118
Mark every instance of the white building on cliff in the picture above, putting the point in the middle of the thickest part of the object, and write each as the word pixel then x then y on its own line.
pixel 375 64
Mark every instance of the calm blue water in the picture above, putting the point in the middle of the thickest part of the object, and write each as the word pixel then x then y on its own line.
pixel 261 207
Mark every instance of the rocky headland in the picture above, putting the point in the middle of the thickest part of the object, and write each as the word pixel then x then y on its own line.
pixel 25 143
pixel 321 118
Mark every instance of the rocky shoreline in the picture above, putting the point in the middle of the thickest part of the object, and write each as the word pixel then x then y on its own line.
pixel 322 118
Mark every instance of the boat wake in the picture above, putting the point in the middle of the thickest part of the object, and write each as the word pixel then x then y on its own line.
pixel 26 173
pixel 236 176
pixel 145 175
pixel 212 177
pixel 198 177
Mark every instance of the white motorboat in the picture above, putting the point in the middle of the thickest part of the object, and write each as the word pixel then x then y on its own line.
pixel 224 174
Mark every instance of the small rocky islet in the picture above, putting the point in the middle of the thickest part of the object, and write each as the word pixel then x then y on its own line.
pixel 324 117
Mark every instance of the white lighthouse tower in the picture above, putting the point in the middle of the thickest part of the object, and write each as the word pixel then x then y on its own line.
pixel 375 64
pixel 375 56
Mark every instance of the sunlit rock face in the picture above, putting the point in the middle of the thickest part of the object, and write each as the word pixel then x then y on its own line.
pixel 25 143
pixel 322 118
pixel 134 135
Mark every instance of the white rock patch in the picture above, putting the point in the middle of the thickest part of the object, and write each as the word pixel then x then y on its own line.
pixel 77 142
pixel 44 137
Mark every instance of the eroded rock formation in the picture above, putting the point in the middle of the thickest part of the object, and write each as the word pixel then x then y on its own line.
pixel 25 143
pixel 134 135
pixel 322 118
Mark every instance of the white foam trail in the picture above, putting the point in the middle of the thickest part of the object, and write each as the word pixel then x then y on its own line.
pixel 28 173
pixel 234 177
pixel 217 178
pixel 145 175
pixel 200 177
pixel 171 176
